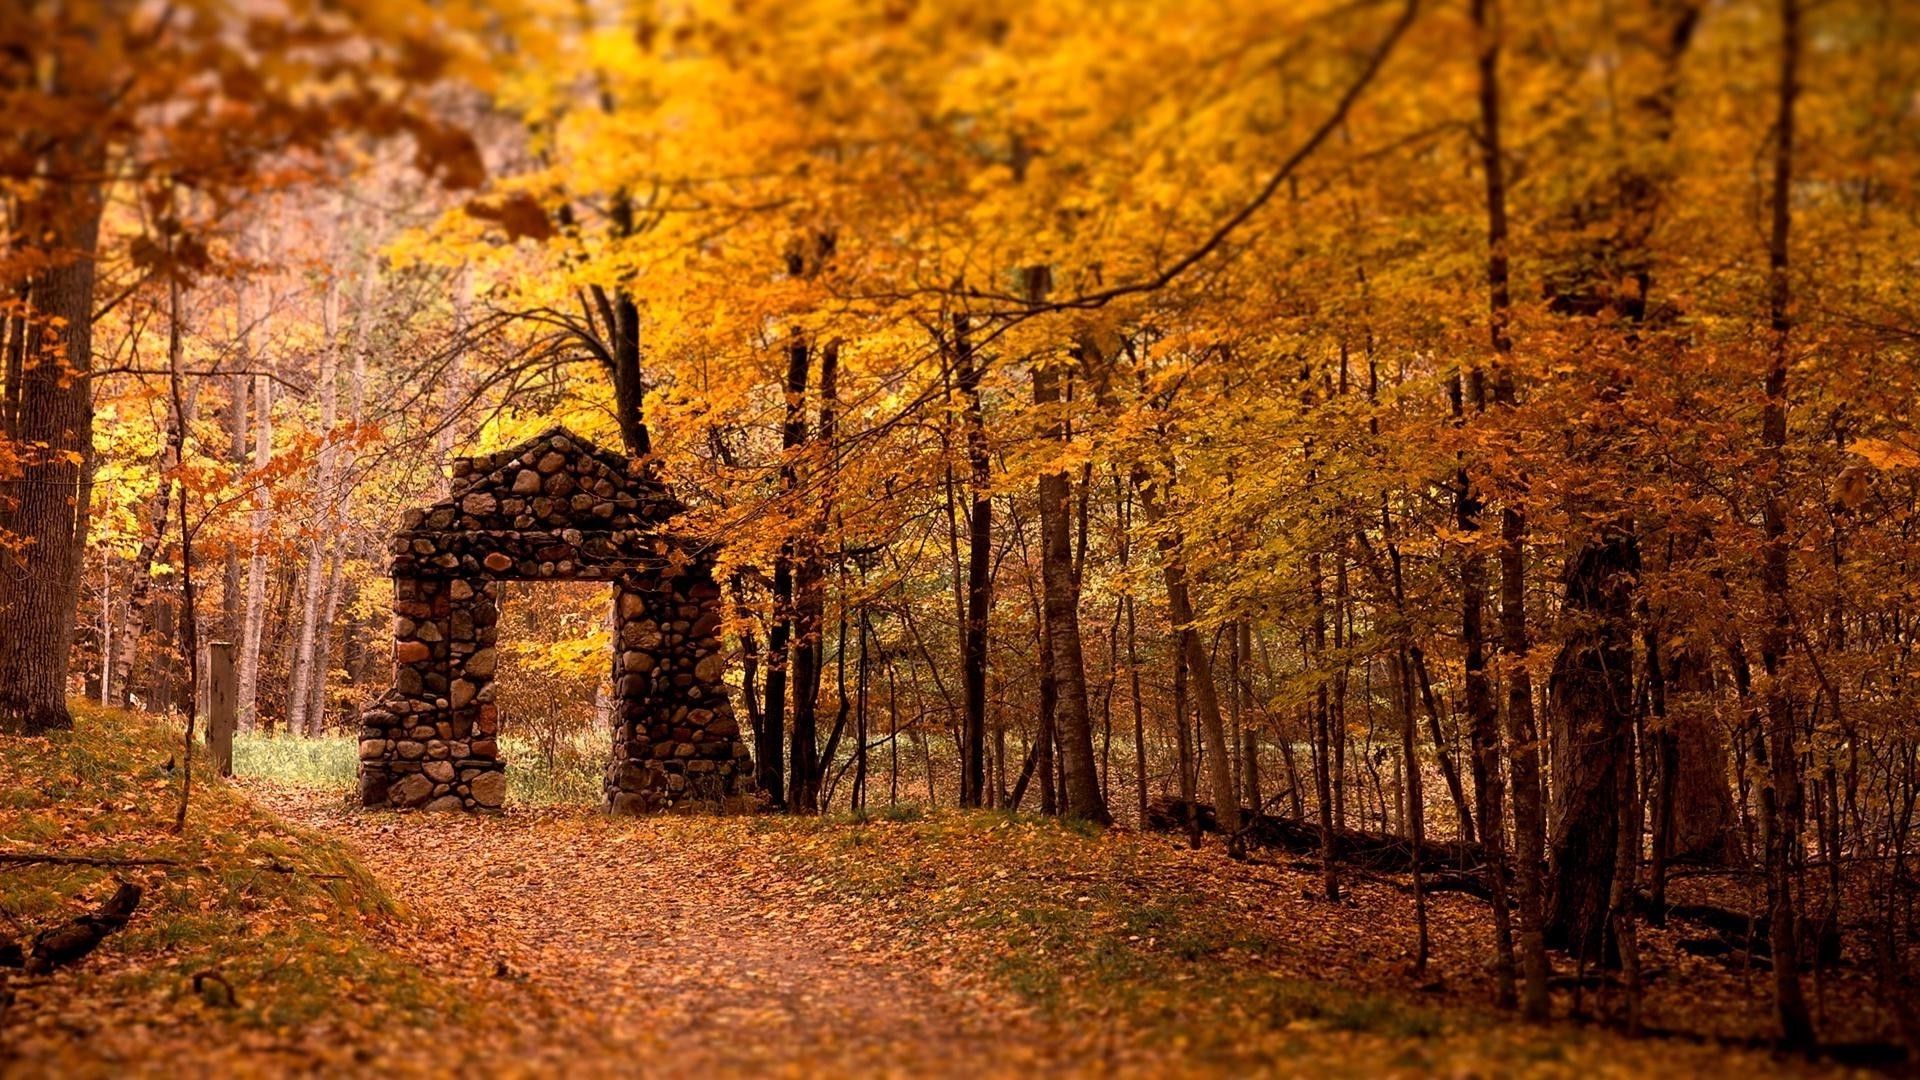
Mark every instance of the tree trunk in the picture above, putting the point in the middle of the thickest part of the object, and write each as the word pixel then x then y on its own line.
pixel 40 591
pixel 1705 825
pixel 158 520
pixel 803 790
pixel 1072 722
pixel 1780 799
pixel 1522 738
pixel 262 518
pixel 1483 720
pixel 1199 665
pixel 973 649
pixel 239 387
pixel 1591 696
pixel 300 695
pixel 1415 816
pixel 774 721
pixel 1322 740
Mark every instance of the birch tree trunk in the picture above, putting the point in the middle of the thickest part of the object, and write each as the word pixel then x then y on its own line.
pixel 256 611
pixel 300 714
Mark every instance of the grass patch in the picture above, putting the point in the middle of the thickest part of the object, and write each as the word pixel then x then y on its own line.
pixel 289 918
pixel 571 775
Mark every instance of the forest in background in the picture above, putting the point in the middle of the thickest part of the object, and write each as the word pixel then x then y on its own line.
pixel 1488 423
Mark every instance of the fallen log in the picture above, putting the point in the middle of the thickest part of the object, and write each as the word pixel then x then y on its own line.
pixel 61 945
pixel 1373 851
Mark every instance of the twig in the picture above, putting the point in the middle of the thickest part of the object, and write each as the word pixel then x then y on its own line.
pixel 27 858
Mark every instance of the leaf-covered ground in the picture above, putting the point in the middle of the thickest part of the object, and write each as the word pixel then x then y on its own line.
pixel 561 941
pixel 950 943
pixel 285 919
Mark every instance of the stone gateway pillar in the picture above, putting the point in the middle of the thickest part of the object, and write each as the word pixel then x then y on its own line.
pixel 555 508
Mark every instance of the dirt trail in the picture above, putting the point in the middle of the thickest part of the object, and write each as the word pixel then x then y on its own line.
pixel 629 946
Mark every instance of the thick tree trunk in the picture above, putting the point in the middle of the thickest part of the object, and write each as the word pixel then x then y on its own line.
pixel 45 510
pixel 1591 695
pixel 1705 824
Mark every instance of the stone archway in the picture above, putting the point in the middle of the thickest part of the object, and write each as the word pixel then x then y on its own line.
pixel 551 509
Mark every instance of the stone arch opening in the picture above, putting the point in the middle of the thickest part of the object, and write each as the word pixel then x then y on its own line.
pixel 554 508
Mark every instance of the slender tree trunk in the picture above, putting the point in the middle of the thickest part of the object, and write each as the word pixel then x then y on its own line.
pixel 239 391
pixel 1529 826
pixel 979 570
pixel 1073 725
pixel 262 520
pixel 300 697
pixel 1483 720
pixel 1416 806
pixel 159 516
pixel 774 721
pixel 1243 691
pixel 1183 742
pixel 1199 665
pixel 803 790
pixel 1780 800
pixel 1624 888
pixel 1322 738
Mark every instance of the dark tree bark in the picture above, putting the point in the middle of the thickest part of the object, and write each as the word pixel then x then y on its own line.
pixel 793 436
pixel 1483 718
pixel 622 354
pixel 45 508
pixel 1522 737
pixel 973 742
pixel 1322 740
pixel 1416 803
pixel 803 789
pixel 1705 827
pixel 1591 695
pixel 69 942
pixel 1780 797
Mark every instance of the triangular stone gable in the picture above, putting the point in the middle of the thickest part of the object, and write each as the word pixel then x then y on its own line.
pixel 556 449
pixel 555 506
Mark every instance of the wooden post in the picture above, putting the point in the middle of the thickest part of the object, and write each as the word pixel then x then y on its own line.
pixel 222 705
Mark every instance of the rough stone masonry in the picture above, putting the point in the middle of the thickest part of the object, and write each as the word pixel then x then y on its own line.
pixel 555 508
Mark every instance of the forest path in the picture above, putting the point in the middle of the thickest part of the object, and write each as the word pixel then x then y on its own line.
pixel 656 946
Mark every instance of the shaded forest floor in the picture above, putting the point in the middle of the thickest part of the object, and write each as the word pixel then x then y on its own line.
pixel 561 941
